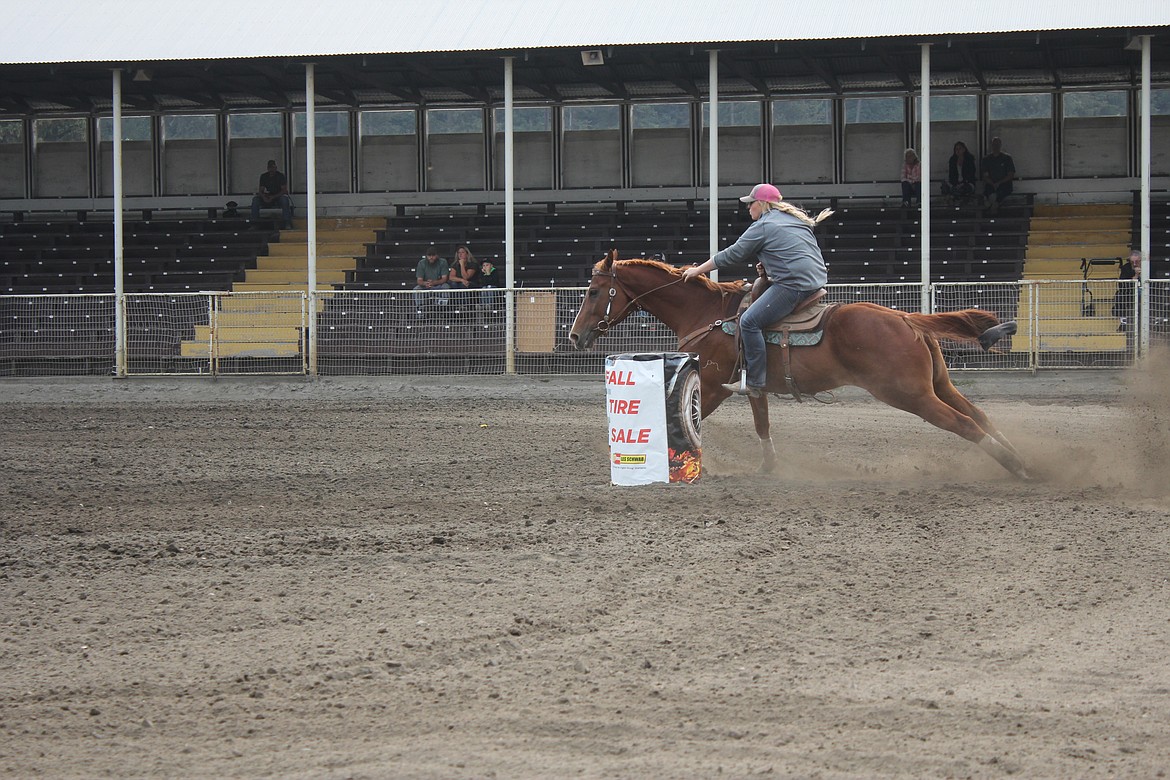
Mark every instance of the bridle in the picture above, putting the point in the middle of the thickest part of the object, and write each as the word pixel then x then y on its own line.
pixel 603 325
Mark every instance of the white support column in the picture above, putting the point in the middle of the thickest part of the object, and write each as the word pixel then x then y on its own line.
pixel 509 226
pixel 311 207
pixel 924 159
pixel 1145 161
pixel 120 367
pixel 713 158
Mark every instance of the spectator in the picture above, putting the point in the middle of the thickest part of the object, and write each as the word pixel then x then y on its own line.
pixel 465 271
pixel 273 193
pixel 998 172
pixel 493 281
pixel 961 175
pixel 433 273
pixel 911 178
pixel 1130 277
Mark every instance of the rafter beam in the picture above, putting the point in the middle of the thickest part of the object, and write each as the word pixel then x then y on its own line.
pixel 972 64
pixel 822 72
pixel 746 72
pixel 361 77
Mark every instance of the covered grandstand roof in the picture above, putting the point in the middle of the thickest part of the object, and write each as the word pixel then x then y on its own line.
pixel 87 31
pixel 56 55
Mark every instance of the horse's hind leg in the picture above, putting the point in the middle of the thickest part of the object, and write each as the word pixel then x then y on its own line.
pixel 924 403
pixel 950 395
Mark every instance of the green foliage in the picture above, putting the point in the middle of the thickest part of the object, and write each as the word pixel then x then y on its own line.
pixel 525 120
pixel 738 113
pixel 189 127
pixel 60 131
pixel 655 116
pixel 1030 106
pixel 330 124
pixel 606 117
pixel 388 123
pixel 11 131
pixel 134 128
pixel 254 126
pixel 454 121
pixel 802 111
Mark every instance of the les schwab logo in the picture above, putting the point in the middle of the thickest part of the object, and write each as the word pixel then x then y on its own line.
pixel 628 460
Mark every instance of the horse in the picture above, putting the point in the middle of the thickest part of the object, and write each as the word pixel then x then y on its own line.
pixel 894 355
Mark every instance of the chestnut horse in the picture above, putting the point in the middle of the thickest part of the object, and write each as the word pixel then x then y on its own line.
pixel 892 354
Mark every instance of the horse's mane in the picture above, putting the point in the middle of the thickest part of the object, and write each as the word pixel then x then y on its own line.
pixel 719 287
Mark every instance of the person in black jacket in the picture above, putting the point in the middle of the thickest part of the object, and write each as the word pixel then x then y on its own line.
pixel 961 175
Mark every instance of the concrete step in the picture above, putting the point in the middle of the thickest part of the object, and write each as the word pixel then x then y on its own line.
pixel 245 342
pixel 1078 237
pixel 1111 342
pixel 278 287
pixel 293 263
pixel 1082 209
pixel 324 249
pixel 360 235
pixel 283 276
pixel 1074 252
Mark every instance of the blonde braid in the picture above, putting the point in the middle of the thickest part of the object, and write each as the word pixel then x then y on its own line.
pixel 798 212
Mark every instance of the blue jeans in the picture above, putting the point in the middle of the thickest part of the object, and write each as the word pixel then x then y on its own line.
pixel 776 302
pixel 284 202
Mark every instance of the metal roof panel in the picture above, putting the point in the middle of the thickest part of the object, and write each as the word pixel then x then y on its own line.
pixel 47 31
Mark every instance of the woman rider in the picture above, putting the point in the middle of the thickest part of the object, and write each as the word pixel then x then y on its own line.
pixel 781 238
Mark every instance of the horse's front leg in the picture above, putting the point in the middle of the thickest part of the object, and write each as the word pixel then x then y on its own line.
pixel 763 431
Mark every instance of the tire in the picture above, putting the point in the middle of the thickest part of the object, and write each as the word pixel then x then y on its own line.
pixel 684 410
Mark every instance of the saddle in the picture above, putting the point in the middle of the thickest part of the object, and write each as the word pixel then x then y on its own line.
pixel 807 320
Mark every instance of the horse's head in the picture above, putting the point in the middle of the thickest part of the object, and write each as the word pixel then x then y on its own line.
pixel 606 304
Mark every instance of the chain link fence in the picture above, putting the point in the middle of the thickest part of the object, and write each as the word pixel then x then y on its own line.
pixel 1062 324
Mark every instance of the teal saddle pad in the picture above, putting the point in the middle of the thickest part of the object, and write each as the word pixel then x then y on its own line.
pixel 805 339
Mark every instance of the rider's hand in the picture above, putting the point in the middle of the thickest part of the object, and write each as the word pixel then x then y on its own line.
pixel 690 273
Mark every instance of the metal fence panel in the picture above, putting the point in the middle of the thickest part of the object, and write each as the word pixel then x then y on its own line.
pixel 1062 324
pixel 57 335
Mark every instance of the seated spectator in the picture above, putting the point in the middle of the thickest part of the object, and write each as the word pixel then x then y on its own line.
pixel 465 271
pixel 998 172
pixel 493 281
pixel 961 175
pixel 273 193
pixel 911 178
pixel 433 273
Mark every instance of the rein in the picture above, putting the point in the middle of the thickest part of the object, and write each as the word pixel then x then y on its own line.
pixel 604 323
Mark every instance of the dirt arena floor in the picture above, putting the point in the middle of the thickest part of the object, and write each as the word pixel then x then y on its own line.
pixel 433 578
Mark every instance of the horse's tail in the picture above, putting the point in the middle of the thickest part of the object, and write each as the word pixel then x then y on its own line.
pixel 965 325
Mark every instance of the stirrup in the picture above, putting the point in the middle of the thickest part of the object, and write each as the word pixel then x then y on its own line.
pixel 748 390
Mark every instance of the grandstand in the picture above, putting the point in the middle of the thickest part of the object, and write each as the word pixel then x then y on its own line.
pixel 611 148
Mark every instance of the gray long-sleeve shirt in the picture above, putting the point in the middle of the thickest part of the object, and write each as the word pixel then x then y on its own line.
pixel 785 245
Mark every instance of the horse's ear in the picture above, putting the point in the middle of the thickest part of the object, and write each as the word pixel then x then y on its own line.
pixel 610 258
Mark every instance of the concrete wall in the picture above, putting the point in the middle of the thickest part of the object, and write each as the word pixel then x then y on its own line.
pixel 1095 147
pixel 190 167
pixel 455 161
pixel 660 157
pixel 741 156
pixel 333 165
pixel 592 158
pixel 874 152
pixel 61 170
pixel 533 166
pixel 11 171
pixel 137 168
pixel 802 154
pixel 389 163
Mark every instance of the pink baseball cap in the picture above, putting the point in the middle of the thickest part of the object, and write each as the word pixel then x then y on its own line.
pixel 764 192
